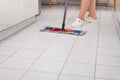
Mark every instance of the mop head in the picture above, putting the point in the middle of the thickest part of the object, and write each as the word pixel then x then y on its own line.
pixel 65 31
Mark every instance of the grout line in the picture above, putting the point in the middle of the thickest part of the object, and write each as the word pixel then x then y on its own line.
pixel 17 50
pixel 10 56
pixel 78 75
pixel 109 55
pixel 110 47
pixel 108 65
pixel 43 71
pixel 8 47
pixel 23 45
pixel 69 52
pixel 97 47
pixel 12 68
pixel 38 57
pixel 80 62
pixel 67 58
pixel 21 48
pixel 97 57
pixel 116 23
pixel 104 78
pixel 15 40
pixel 41 53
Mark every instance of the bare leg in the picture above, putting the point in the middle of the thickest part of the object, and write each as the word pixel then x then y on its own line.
pixel 92 9
pixel 83 8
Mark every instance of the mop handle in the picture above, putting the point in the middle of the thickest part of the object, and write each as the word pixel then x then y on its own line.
pixel 65 12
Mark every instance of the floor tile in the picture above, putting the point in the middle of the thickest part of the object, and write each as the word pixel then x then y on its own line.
pixel 85 51
pixel 109 38
pixel 82 58
pixel 84 43
pixel 13 43
pixel 3 58
pixel 36 45
pixel 40 76
pixel 108 60
pixel 60 49
pixel 79 69
pixel 72 77
pixel 110 26
pixel 44 37
pixel 109 44
pixel 40 44
pixel 7 51
pixel 48 66
pixel 108 52
pixel 108 72
pixel 65 41
pixel 55 54
pixel 108 34
pixel 6 74
pixel 18 63
pixel 23 37
pixel 103 79
pixel 28 53
pixel 105 19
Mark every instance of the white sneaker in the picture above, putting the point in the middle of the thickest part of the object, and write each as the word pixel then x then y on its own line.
pixel 78 23
pixel 90 20
pixel 86 14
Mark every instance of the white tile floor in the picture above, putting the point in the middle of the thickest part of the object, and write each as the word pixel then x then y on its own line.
pixel 34 55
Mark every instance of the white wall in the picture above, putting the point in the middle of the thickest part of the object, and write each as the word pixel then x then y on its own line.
pixel 13 12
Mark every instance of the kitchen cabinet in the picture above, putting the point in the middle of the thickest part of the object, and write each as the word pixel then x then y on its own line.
pixel 16 12
pixel 13 12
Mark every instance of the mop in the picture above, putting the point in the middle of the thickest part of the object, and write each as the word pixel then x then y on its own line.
pixel 63 30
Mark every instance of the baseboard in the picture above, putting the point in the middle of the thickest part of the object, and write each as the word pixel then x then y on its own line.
pixel 110 5
pixel 10 31
pixel 76 3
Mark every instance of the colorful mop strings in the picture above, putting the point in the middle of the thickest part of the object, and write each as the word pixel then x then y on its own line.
pixel 53 29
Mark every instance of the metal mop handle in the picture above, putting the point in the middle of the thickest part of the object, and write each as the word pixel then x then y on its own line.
pixel 65 12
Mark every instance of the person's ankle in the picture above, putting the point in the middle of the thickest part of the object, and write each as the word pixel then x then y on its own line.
pixel 81 18
pixel 93 16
